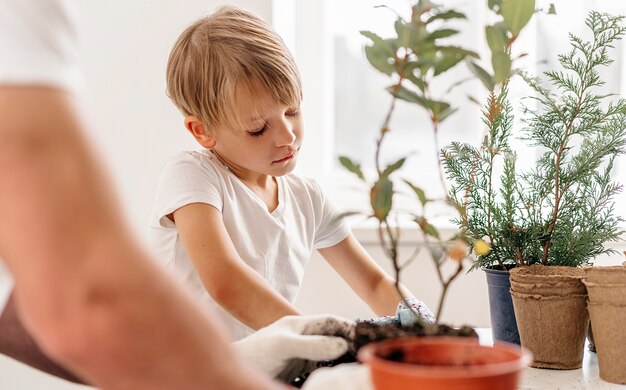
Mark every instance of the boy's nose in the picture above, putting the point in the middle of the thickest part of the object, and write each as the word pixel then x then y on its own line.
pixel 286 136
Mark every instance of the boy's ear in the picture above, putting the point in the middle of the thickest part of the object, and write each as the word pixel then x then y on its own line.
pixel 197 129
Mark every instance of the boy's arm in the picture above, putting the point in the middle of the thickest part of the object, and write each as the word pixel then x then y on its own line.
pixel 232 283
pixel 366 278
pixel 84 289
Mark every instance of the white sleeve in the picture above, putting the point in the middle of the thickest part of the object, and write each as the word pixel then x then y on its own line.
pixel 38 44
pixel 331 229
pixel 185 179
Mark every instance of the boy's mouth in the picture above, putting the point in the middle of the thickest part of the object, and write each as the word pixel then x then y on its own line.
pixel 286 157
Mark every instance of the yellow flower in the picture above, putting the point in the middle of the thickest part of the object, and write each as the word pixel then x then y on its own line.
pixel 481 248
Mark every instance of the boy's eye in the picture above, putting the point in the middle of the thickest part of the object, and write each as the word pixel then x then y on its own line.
pixel 258 133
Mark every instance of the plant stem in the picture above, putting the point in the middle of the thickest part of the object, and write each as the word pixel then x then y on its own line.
pixel 445 286
pixel 558 195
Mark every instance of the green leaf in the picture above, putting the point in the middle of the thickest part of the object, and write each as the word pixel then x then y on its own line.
pixel 352 166
pixel 451 14
pixel 421 7
pixel 381 198
pixel 393 167
pixel 516 14
pixel 482 75
pixel 457 50
pixel 446 15
pixel 496 38
pixel 427 228
pixel 379 60
pixel 436 107
pixel 380 54
pixel 421 195
pixel 446 113
pixel 440 109
pixel 408 34
pixel 408 72
pixel 501 62
pixel 405 94
pixel 427 56
pixel 442 33
pixel 375 38
pixel 474 100
pixel 447 62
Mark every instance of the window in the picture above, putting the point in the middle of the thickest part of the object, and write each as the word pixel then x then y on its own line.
pixel 345 101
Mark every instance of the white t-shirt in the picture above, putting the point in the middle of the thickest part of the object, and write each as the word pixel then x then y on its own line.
pixel 38 46
pixel 277 245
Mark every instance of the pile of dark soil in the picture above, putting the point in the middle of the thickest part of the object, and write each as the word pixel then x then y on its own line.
pixel 297 373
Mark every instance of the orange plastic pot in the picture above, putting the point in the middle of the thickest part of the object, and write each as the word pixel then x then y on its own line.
pixel 443 363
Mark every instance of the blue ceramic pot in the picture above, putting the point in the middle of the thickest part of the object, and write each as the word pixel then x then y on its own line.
pixel 503 323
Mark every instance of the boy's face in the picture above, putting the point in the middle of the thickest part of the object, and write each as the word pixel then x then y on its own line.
pixel 269 141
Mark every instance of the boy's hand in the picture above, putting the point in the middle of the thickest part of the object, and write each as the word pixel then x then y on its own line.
pixel 406 314
pixel 294 341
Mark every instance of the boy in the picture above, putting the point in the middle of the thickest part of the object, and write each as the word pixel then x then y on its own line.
pixel 232 221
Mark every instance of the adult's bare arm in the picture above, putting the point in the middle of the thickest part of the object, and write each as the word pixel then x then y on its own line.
pixel 85 290
pixel 16 342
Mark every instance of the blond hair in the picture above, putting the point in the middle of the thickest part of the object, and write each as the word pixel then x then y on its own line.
pixel 229 49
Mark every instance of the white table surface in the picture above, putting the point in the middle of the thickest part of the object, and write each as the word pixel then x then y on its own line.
pixel 355 376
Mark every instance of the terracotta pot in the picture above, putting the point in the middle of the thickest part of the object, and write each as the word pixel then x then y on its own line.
pixel 553 328
pixel 443 363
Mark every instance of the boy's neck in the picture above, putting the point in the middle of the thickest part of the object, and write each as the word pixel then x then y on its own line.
pixel 264 186
pixel 268 192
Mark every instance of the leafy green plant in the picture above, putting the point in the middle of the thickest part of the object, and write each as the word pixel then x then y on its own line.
pixel 413 59
pixel 561 212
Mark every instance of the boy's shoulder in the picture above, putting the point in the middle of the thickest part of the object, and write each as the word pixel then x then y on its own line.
pixel 198 156
pixel 188 159
pixel 196 167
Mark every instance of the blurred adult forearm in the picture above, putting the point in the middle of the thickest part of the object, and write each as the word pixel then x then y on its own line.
pixel 85 290
pixel 16 342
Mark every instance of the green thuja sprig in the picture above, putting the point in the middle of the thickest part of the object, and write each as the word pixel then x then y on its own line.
pixel 492 205
pixel 581 136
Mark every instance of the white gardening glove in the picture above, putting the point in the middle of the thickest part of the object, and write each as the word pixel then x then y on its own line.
pixel 294 341
pixel 407 317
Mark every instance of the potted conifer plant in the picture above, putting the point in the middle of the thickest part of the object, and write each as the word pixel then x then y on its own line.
pixel 558 214
pixel 413 59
